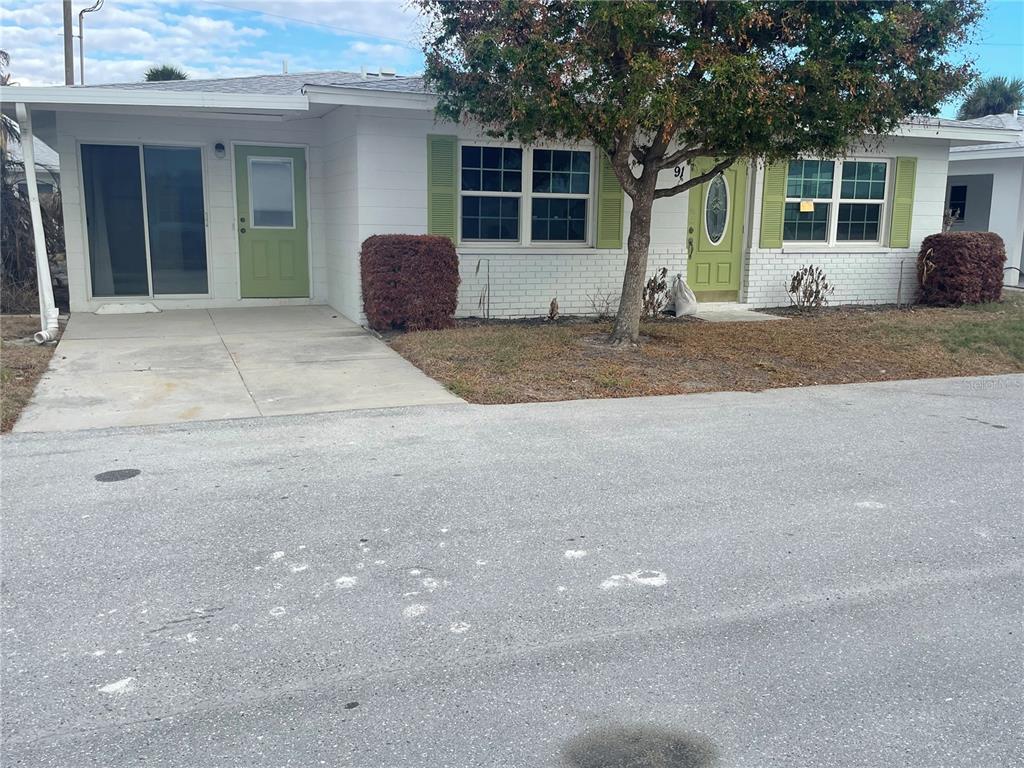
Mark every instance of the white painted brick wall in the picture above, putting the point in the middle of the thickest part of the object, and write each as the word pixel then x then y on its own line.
pixel 861 275
pixel 393 199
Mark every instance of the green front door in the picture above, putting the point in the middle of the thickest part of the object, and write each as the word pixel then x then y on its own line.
pixel 273 222
pixel 714 239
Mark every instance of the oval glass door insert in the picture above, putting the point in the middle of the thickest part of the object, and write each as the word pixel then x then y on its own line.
pixel 716 209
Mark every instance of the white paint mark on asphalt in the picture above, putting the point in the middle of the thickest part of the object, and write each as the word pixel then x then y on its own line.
pixel 300 567
pixel 430 584
pixel 191 638
pixel 302 546
pixel 277 555
pixel 410 594
pixel 100 652
pixel 574 554
pixel 645 578
pixel 561 588
pixel 278 611
pixel 444 530
pixel 379 562
pixel 459 627
pixel 870 505
pixel 415 572
pixel 127 685
pixel 414 610
pixel 481 562
pixel 346 582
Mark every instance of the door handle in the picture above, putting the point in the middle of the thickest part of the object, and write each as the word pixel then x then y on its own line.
pixel 689 248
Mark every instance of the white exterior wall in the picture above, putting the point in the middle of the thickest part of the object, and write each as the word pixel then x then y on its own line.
pixel 865 274
pixel 341 226
pixel 74 128
pixel 366 169
pixel 392 161
pixel 1006 213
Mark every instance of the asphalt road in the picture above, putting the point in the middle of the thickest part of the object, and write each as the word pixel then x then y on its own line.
pixel 820 577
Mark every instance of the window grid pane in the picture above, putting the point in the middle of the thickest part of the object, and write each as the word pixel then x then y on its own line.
pixel 490 218
pixel 492 169
pixel 863 181
pixel 558 219
pixel 810 179
pixel 812 225
pixel 858 221
pixel 560 171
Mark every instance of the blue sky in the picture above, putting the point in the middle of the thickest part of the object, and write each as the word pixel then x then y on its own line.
pixel 242 37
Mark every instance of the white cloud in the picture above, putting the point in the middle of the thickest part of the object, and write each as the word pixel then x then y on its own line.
pixel 210 39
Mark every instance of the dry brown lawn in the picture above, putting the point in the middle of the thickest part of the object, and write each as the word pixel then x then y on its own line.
pixel 505 362
pixel 22 363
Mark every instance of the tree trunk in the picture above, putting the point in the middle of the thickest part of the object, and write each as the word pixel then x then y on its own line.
pixel 627 320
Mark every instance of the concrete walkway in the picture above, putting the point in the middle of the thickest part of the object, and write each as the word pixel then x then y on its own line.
pixel 187 365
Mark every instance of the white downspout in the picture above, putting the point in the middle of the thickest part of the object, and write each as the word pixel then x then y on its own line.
pixel 47 307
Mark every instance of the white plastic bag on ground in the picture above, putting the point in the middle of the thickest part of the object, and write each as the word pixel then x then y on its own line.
pixel 681 297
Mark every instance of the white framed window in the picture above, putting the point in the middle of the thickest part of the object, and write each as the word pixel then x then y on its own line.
pixel 531 196
pixel 836 201
pixel 271 193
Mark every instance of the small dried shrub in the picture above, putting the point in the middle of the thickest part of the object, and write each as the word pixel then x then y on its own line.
pixel 809 288
pixel 961 268
pixel 603 304
pixel 410 282
pixel 553 310
pixel 654 293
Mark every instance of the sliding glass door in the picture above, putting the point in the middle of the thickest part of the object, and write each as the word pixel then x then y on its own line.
pixel 113 210
pixel 146 219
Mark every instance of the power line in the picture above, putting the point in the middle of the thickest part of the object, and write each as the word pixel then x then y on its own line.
pixel 403 43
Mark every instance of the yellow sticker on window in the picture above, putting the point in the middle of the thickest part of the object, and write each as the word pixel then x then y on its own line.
pixel 806 206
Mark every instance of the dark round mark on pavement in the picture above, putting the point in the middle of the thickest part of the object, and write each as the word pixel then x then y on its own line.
pixel 632 747
pixel 352 705
pixel 115 475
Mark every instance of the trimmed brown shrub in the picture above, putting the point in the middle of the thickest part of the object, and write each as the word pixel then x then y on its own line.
pixel 410 282
pixel 961 268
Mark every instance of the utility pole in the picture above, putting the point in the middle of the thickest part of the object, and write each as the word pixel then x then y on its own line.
pixel 81 37
pixel 69 49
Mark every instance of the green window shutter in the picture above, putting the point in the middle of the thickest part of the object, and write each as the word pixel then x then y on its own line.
pixel 902 202
pixel 609 206
pixel 441 185
pixel 773 204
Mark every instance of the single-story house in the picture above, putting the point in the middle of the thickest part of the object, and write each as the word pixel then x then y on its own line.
pixel 259 191
pixel 985 189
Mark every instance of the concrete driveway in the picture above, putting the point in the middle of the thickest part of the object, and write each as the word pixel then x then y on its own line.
pixel 188 365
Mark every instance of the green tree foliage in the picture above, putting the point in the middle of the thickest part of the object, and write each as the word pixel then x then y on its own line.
pixel 992 96
pixel 657 84
pixel 165 72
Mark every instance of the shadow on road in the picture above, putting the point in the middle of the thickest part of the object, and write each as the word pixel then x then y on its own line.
pixel 638 747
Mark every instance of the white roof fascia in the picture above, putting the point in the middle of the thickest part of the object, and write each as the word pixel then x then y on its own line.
pixel 363 97
pixel 58 97
pixel 986 153
pixel 959 135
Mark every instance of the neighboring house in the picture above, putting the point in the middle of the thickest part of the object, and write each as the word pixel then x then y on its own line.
pixel 47 166
pixel 985 189
pixel 259 190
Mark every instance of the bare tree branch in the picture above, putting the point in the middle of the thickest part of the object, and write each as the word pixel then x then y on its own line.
pixel 695 180
pixel 686 153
